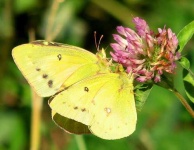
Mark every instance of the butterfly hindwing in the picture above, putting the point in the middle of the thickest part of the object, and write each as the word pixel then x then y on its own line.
pixel 115 113
pixel 69 125
pixel 47 65
pixel 75 101
pixel 104 102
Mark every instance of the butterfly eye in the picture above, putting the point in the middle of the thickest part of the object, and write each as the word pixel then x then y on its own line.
pixel 86 89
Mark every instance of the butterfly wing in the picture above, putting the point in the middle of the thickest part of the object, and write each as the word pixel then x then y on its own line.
pixel 104 102
pixel 47 65
pixel 69 125
pixel 115 113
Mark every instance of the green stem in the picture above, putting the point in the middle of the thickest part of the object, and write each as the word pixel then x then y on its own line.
pixel 168 84
pixel 80 142
pixel 184 102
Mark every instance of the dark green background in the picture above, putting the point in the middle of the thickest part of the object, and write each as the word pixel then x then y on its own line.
pixel 163 122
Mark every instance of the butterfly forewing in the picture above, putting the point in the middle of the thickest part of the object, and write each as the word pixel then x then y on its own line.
pixel 48 66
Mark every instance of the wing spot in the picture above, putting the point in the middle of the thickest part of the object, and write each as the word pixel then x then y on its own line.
pixel 75 107
pixel 86 89
pixel 108 110
pixel 38 69
pixel 45 76
pixel 83 109
pixel 50 83
pixel 59 56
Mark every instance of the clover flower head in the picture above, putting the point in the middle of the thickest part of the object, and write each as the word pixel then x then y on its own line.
pixel 145 54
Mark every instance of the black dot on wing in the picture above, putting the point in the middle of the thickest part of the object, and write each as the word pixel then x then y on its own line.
pixel 37 69
pixel 75 107
pixel 59 56
pixel 50 83
pixel 45 76
pixel 83 109
pixel 86 89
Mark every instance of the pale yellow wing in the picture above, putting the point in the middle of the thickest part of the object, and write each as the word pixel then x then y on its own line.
pixel 115 113
pixel 76 100
pixel 104 102
pixel 48 65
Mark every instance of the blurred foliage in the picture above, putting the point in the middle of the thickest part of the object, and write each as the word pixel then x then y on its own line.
pixel 163 123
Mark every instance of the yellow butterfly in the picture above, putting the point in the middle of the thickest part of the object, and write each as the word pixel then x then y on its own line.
pixel 87 95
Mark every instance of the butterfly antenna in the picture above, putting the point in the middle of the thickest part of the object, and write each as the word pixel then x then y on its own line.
pixel 97 45
pixel 95 39
pixel 100 41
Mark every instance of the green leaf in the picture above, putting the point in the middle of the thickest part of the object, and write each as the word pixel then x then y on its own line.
pixel 184 62
pixel 141 94
pixel 185 35
pixel 188 81
pixel 22 5
pixel 188 78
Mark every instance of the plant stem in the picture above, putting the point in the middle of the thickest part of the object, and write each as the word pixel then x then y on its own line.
pixel 168 84
pixel 184 102
pixel 35 121
pixel 80 142
pixel 49 34
pixel 36 110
